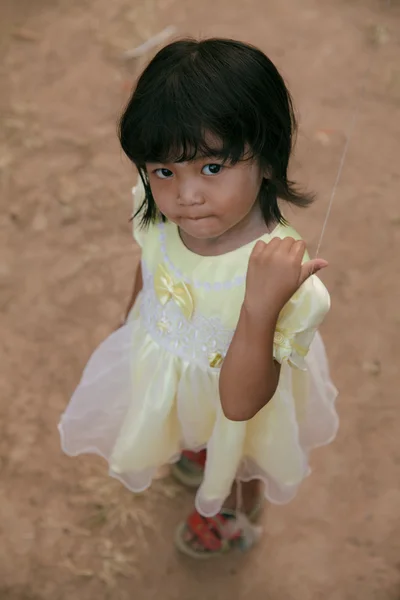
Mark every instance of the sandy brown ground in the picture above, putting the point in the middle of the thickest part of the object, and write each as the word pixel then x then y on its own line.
pixel 66 265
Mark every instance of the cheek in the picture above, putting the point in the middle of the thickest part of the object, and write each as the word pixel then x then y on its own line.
pixel 238 197
pixel 162 195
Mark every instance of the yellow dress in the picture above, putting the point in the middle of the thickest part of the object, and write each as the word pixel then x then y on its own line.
pixel 151 388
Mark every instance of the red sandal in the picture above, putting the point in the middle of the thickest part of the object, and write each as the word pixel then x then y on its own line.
pixel 217 535
pixel 189 470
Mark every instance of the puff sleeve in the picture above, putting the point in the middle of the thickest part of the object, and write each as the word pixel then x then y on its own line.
pixel 138 195
pixel 299 321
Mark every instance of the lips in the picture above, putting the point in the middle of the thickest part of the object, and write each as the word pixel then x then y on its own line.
pixel 194 218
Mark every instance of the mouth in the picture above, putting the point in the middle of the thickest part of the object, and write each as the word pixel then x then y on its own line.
pixel 194 218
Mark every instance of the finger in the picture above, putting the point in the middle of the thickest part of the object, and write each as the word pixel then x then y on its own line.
pixel 311 267
pixel 288 243
pixel 258 248
pixel 274 243
pixel 298 249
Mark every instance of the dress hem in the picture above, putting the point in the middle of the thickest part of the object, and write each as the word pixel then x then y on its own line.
pixel 150 473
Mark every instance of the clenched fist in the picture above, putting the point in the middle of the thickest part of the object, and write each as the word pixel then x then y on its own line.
pixel 274 275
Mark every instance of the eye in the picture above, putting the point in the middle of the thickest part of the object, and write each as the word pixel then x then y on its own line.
pixel 212 169
pixel 163 173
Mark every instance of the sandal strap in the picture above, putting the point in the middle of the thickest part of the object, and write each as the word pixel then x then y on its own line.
pixel 198 458
pixel 211 531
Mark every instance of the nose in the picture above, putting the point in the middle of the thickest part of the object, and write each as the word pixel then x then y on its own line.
pixel 189 194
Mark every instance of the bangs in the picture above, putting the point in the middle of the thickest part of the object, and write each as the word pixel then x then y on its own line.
pixel 170 131
pixel 185 136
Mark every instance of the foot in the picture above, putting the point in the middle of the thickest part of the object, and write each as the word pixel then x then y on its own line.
pixel 189 469
pixel 207 537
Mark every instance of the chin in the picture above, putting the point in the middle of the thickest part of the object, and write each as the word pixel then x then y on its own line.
pixel 200 229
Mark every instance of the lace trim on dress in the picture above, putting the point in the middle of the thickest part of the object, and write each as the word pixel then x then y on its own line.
pixel 204 341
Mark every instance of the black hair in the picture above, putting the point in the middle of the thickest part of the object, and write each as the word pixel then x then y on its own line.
pixel 221 87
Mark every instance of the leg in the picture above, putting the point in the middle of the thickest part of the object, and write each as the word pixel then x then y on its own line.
pixel 250 493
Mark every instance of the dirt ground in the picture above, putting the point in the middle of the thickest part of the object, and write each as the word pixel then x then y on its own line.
pixel 66 265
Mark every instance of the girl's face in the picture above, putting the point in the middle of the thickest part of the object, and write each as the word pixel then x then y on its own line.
pixel 205 197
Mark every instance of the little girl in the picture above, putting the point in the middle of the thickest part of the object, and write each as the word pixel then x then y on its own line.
pixel 218 368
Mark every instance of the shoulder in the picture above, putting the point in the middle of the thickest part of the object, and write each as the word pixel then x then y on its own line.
pixel 284 230
pixel 312 299
pixel 314 293
pixel 141 233
pixel 138 196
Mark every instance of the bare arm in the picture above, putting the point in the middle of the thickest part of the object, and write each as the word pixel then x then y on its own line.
pixel 137 287
pixel 249 375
